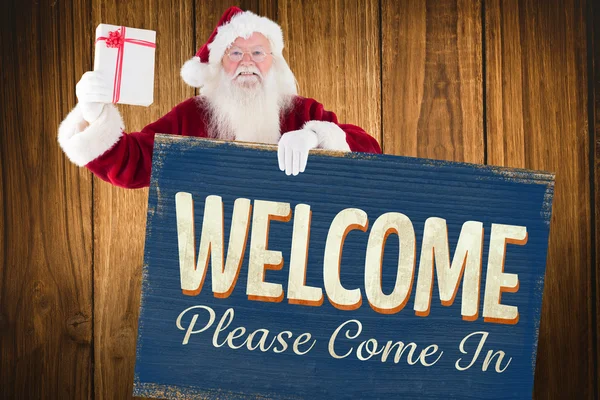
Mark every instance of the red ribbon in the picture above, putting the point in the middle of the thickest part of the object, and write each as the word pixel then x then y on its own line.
pixel 116 39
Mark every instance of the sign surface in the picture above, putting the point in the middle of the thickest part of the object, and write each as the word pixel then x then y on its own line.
pixel 366 276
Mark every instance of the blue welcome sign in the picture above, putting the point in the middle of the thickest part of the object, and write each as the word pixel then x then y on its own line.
pixel 367 276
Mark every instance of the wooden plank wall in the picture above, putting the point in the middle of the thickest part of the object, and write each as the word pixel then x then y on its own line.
pixel 502 82
pixel 537 118
pixel 593 28
pixel 46 297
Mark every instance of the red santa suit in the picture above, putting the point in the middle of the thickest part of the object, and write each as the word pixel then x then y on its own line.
pixel 125 160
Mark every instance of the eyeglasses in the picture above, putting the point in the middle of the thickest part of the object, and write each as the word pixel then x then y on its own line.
pixel 257 54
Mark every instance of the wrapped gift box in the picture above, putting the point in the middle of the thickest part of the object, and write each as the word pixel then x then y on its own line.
pixel 126 56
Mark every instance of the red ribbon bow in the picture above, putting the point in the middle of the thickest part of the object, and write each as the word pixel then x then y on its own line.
pixel 116 39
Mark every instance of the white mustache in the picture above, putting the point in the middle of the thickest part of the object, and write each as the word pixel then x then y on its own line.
pixel 253 70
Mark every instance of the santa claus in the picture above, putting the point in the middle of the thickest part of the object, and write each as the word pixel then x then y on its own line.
pixel 247 93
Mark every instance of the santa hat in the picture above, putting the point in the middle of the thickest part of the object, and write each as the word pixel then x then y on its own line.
pixel 233 24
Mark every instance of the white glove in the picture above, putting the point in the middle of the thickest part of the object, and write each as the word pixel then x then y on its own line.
pixel 293 149
pixel 92 91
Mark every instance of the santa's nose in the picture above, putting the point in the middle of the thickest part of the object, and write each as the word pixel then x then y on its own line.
pixel 247 59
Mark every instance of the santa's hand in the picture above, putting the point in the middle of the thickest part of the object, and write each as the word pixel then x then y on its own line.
pixel 293 150
pixel 92 92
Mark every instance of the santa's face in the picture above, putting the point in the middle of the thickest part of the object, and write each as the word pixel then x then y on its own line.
pixel 248 92
pixel 248 72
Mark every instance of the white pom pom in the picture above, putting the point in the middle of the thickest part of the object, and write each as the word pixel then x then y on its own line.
pixel 194 73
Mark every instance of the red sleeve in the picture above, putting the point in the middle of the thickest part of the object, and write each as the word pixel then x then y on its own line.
pixel 128 163
pixel 356 137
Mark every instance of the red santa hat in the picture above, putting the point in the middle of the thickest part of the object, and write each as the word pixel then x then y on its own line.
pixel 233 24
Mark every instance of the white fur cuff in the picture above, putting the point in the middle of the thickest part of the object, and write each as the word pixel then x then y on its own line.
pixel 83 146
pixel 331 136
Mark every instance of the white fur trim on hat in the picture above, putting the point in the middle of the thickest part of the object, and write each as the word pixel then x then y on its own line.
pixel 244 25
pixel 331 136
pixel 83 146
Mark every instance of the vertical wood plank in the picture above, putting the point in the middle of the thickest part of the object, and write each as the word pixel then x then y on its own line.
pixel 432 79
pixel 269 9
pixel 333 48
pixel 594 48
pixel 120 214
pixel 46 257
pixel 537 118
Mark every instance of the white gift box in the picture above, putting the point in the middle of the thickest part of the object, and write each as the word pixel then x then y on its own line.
pixel 126 56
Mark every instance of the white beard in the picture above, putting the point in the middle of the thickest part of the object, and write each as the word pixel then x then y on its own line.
pixel 245 113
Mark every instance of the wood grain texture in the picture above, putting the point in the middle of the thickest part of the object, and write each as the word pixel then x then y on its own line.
pixel 333 49
pixel 537 118
pixel 45 223
pixel 432 79
pixel 594 48
pixel 119 214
